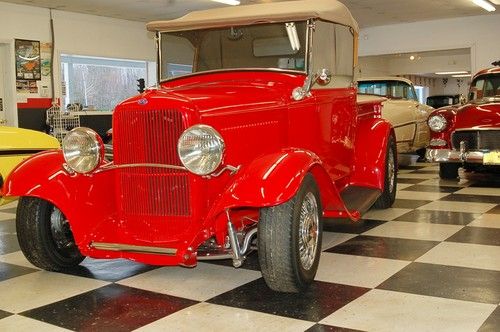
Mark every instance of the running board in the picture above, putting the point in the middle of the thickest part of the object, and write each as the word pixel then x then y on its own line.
pixel 359 199
pixel 132 248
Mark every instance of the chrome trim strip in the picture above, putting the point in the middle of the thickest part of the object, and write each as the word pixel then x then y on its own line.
pixel 133 248
pixel 453 156
pixel 111 166
pixel 477 129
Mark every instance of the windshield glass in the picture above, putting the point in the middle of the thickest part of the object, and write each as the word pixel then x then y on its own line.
pixel 440 101
pixel 485 86
pixel 389 89
pixel 265 46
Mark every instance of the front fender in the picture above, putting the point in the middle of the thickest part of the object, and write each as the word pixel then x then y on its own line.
pixel 267 181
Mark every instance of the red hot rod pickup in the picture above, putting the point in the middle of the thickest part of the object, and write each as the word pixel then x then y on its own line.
pixel 468 136
pixel 252 137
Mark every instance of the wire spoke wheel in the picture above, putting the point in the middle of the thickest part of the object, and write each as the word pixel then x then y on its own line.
pixel 308 230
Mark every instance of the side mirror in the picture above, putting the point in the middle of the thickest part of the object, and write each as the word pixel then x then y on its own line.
pixel 323 77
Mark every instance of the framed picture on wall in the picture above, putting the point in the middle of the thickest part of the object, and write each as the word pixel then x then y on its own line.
pixel 27 59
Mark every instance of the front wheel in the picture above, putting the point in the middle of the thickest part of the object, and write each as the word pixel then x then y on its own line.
pixel 44 235
pixel 289 240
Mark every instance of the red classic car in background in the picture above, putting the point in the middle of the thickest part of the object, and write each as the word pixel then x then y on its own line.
pixel 469 136
pixel 254 130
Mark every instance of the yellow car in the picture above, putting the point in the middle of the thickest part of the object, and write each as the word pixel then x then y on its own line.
pixel 18 144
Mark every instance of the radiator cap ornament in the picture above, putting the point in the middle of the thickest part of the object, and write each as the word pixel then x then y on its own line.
pixel 142 101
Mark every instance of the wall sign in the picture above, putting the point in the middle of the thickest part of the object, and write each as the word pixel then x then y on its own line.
pixel 27 59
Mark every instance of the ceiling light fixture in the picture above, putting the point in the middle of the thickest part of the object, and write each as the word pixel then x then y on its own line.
pixel 462 75
pixel 486 5
pixel 229 2
pixel 451 72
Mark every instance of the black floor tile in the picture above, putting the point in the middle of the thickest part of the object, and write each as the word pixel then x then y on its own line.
pixel 8 243
pixel 328 328
pixel 4 314
pixel 431 189
pixel 8 271
pixel 471 198
pixel 250 263
pixel 109 269
pixel 492 324
pixel 477 235
pixel 408 203
pixel 110 308
pixel 348 226
pixel 438 217
pixel 411 181
pixel 318 301
pixel 413 167
pixel 384 247
pixel 451 282
pixel 495 210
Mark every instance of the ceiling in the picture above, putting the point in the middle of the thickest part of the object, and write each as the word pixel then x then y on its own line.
pixel 368 12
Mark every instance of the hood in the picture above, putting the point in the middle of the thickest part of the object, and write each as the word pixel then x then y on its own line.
pixel 220 92
pixel 12 138
pixel 478 115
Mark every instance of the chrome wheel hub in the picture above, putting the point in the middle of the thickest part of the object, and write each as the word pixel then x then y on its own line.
pixel 391 169
pixel 59 228
pixel 308 231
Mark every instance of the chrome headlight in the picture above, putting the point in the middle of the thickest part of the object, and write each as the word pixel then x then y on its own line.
pixel 437 123
pixel 82 149
pixel 200 149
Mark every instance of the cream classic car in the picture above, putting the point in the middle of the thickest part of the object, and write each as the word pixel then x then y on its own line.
pixel 17 144
pixel 402 109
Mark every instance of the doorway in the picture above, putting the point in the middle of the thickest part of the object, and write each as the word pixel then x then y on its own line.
pixel 8 109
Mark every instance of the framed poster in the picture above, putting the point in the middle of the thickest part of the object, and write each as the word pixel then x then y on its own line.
pixel 27 59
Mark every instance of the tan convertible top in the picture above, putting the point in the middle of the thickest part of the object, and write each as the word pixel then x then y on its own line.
pixel 328 10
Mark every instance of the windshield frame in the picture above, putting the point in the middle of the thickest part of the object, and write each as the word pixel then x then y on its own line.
pixel 309 25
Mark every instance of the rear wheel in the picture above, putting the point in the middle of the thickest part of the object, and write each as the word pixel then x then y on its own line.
pixel 388 196
pixel 289 240
pixel 45 236
pixel 448 170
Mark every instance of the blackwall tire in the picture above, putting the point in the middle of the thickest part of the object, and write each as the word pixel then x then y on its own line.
pixel 289 240
pixel 44 235
pixel 388 196
pixel 448 171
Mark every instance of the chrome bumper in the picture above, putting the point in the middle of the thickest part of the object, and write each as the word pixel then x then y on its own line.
pixel 454 156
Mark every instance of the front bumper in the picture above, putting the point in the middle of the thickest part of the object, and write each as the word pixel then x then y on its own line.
pixel 469 157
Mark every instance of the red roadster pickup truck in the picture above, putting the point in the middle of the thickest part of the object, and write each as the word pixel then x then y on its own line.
pixel 469 136
pixel 253 135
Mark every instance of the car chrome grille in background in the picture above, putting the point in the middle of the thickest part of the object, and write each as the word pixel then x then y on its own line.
pixel 477 139
pixel 150 137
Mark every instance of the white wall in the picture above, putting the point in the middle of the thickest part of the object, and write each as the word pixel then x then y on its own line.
pixel 75 34
pixel 480 33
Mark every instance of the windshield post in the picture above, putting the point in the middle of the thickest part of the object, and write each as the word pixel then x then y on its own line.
pixel 301 92
pixel 158 57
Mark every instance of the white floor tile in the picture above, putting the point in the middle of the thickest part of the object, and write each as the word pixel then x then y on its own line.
pixel 221 318
pixel 463 254
pixel 16 258
pixel 359 271
pixel 447 183
pixel 40 288
pixel 331 239
pixel 385 214
pixel 420 195
pixel 4 216
pixel 479 191
pixel 487 220
pixel 25 324
pixel 381 310
pixel 414 230
pixel 404 185
pixel 200 283
pixel 458 206
pixel 9 205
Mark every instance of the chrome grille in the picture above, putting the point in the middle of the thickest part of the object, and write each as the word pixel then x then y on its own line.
pixel 477 139
pixel 150 137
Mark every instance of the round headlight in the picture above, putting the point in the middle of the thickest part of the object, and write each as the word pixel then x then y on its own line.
pixel 200 149
pixel 437 123
pixel 82 149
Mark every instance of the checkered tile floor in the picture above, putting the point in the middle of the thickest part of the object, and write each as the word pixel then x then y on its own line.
pixel 430 263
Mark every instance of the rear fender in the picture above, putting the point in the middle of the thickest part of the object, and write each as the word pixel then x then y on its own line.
pixel 371 144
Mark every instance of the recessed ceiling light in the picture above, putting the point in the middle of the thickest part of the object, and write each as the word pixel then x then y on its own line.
pixel 486 5
pixel 451 72
pixel 229 2
pixel 412 57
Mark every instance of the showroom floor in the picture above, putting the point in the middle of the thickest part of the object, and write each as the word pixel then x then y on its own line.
pixel 430 263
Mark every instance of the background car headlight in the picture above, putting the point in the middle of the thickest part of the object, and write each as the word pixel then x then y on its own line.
pixel 200 149
pixel 82 149
pixel 437 123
